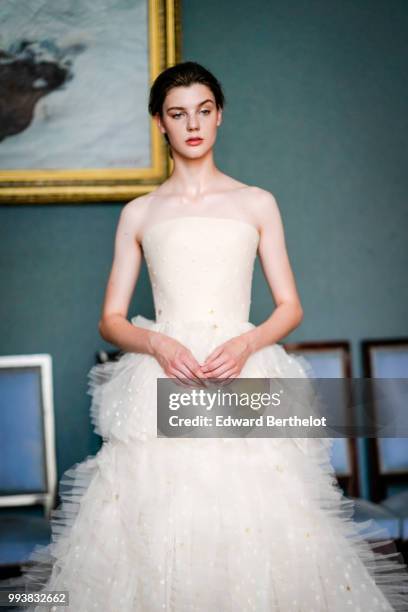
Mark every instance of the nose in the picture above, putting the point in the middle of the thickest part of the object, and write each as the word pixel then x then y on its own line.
pixel 192 122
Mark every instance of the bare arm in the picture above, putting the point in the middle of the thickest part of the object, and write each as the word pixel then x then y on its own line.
pixel 278 272
pixel 175 359
pixel 113 325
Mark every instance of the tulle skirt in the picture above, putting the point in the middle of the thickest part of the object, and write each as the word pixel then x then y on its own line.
pixel 226 524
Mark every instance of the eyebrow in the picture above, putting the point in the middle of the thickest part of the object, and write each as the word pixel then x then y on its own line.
pixel 183 108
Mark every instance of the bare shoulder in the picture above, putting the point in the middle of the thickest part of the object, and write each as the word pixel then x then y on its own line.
pixel 133 214
pixel 262 198
pixel 263 205
pixel 136 207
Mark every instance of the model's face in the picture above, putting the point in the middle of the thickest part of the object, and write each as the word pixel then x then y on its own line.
pixel 190 112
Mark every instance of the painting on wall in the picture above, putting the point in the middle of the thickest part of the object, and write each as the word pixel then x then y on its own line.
pixel 74 84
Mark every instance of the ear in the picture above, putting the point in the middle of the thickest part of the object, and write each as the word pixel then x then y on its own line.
pixel 219 117
pixel 160 125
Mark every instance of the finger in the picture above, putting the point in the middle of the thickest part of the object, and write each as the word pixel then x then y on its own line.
pixel 210 367
pixel 231 373
pixel 190 373
pixel 221 370
pixel 195 370
pixel 226 380
pixel 181 377
pixel 223 381
pixel 217 351
pixel 211 363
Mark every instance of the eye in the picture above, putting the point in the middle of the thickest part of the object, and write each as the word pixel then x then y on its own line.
pixel 206 111
pixel 177 115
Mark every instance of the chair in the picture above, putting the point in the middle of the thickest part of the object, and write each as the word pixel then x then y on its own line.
pixel 388 359
pixel 332 359
pixel 27 457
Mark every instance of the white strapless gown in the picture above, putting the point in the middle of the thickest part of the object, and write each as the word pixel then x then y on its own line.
pixel 216 524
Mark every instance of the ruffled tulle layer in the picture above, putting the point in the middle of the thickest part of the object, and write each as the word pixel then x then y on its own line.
pixel 239 524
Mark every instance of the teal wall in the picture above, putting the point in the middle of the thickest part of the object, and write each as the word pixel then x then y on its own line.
pixel 316 113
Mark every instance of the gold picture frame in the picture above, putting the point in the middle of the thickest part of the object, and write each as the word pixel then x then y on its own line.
pixel 108 184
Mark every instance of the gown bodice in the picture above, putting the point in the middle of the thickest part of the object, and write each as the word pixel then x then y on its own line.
pixel 201 268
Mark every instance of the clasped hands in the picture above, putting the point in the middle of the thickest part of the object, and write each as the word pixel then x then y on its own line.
pixel 177 361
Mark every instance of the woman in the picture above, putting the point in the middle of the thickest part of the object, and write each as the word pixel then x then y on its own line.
pixel 170 523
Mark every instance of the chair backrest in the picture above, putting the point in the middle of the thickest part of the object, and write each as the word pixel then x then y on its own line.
pixel 332 359
pixel 388 358
pixel 27 435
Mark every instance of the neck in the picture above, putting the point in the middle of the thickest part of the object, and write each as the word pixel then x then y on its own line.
pixel 193 178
